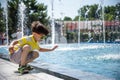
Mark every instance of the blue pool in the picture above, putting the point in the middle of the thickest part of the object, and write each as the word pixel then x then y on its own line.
pixel 103 59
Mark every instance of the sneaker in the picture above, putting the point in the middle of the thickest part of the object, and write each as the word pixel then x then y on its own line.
pixel 29 67
pixel 22 69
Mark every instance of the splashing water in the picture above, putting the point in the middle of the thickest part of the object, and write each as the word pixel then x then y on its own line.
pixel 21 17
pixel 109 56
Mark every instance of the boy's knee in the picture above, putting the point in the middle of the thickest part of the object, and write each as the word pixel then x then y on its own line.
pixel 26 47
pixel 36 54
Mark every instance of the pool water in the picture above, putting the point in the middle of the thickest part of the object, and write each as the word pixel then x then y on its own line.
pixel 103 59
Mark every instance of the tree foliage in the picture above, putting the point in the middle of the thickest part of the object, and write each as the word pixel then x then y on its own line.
pixel 2 20
pixel 66 18
pixel 110 12
pixel 34 11
pixel 12 15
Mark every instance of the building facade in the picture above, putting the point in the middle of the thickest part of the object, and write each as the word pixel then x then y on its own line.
pixel 91 29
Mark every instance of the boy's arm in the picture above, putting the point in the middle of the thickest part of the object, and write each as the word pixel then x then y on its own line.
pixel 45 49
pixel 11 47
pixel 14 43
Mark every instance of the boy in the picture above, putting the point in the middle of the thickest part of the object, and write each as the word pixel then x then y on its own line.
pixel 23 51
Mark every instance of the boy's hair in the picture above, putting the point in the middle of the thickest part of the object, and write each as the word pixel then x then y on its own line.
pixel 39 28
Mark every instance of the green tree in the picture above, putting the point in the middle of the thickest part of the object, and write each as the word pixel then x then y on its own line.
pixel 92 12
pixel 40 13
pixel 118 9
pixel 2 22
pixel 110 13
pixel 12 15
pixel 66 18
pixel 34 11
pixel 76 18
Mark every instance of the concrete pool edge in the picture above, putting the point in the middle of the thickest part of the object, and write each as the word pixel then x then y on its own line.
pixel 53 70
pixel 69 74
pixel 65 73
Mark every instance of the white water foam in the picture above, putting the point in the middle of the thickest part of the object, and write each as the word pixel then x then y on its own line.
pixel 81 47
pixel 109 56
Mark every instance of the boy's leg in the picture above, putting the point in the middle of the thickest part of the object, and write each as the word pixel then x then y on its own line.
pixel 24 54
pixel 16 56
pixel 30 57
pixel 34 54
pixel 25 51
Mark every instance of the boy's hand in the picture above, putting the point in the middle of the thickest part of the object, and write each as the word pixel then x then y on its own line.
pixel 45 50
pixel 11 49
pixel 54 47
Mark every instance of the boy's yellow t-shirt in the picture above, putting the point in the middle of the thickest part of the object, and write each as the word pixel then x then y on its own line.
pixel 29 40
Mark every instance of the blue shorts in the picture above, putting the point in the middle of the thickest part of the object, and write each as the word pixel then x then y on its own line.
pixel 16 56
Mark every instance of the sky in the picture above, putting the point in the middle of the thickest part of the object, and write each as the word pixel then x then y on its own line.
pixel 69 7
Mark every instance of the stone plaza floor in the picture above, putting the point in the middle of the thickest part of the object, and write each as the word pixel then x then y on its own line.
pixel 7 73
